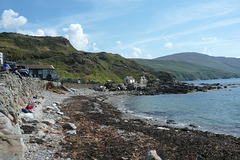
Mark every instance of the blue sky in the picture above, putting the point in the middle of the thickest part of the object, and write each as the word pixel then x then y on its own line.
pixel 131 28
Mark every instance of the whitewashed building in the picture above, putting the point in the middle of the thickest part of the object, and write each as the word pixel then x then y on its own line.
pixel 129 79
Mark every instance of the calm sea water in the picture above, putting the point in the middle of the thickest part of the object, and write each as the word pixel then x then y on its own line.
pixel 216 111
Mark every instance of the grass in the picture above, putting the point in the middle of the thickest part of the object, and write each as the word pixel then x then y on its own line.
pixel 68 62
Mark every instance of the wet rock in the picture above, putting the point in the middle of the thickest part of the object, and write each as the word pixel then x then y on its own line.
pixel 193 125
pixel 170 121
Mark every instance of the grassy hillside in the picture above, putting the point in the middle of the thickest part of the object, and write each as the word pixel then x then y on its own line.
pixel 70 63
pixel 231 65
pixel 185 70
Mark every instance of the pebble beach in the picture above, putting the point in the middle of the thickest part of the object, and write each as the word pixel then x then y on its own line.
pixel 101 131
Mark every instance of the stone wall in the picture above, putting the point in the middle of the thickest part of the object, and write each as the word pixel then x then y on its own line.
pixel 14 95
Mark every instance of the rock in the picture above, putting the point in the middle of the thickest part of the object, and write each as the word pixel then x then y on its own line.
pixel 28 128
pixel 65 117
pixel 27 116
pixel 163 128
pixel 49 121
pixel 57 103
pixel 170 121
pixel 69 126
pixel 60 113
pixel 12 147
pixel 193 125
pixel 56 132
pixel 152 155
pixel 6 125
pixel 71 132
pixel 39 134
pixel 42 126
pixel 53 108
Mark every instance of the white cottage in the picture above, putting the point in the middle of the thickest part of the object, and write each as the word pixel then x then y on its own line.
pixel 129 79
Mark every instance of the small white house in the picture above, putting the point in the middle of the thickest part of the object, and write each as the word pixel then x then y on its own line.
pixel 129 79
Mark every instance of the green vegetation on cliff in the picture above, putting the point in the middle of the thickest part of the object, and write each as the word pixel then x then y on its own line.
pixel 71 63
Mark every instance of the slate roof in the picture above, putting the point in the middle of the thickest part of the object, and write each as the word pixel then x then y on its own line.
pixel 40 66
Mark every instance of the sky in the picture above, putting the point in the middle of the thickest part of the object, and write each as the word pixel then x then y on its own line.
pixel 131 28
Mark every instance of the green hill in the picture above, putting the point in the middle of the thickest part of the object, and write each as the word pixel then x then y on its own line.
pixel 69 62
pixel 193 66
pixel 231 65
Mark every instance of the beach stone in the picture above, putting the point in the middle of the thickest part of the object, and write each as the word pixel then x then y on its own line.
pixel 49 121
pixel 66 117
pixel 163 128
pixel 53 108
pixel 152 155
pixel 27 116
pixel 27 128
pixel 42 126
pixel 193 125
pixel 57 103
pixel 71 132
pixel 40 134
pixel 60 113
pixel 69 126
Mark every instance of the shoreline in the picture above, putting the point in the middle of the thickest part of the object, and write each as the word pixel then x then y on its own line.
pixel 115 100
pixel 170 143
pixel 105 132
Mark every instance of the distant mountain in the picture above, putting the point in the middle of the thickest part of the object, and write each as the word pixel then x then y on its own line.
pixel 193 66
pixel 70 63
pixel 221 63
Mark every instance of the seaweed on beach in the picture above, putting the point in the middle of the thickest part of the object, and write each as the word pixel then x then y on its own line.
pixel 103 133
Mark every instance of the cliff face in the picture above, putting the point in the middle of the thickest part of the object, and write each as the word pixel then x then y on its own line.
pixel 14 95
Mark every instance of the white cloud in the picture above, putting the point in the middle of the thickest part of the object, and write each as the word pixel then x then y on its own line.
pixel 209 38
pixel 76 36
pixel 168 45
pixel 39 32
pixel 136 52
pixel 119 42
pixel 11 20
pixel 95 48
pixel 51 32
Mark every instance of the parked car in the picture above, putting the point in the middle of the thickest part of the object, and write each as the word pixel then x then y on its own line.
pixel 52 77
pixel 11 64
pixel 23 70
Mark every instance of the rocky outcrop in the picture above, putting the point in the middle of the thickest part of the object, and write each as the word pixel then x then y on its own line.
pixel 15 94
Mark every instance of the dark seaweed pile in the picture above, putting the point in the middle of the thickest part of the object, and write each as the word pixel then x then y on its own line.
pixel 103 134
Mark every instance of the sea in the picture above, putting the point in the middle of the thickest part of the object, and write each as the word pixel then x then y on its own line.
pixel 216 111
